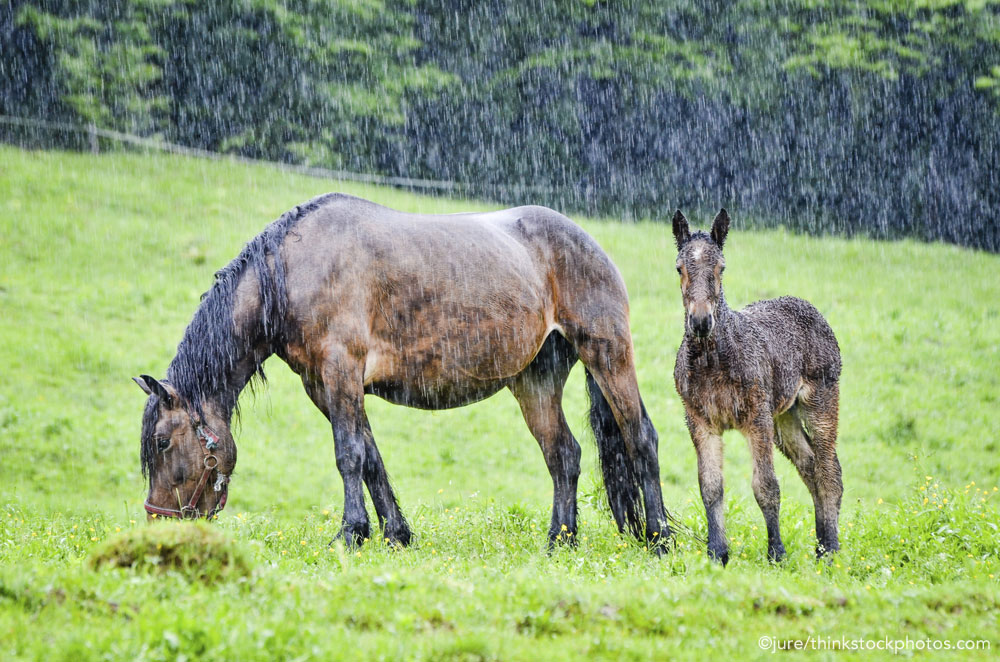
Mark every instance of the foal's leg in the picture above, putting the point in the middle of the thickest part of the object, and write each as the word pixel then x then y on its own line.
pixel 760 436
pixel 797 446
pixel 819 411
pixel 539 392
pixel 708 446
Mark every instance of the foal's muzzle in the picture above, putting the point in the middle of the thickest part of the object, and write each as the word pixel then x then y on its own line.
pixel 702 325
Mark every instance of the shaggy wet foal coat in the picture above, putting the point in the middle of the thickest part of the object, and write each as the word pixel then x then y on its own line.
pixel 770 371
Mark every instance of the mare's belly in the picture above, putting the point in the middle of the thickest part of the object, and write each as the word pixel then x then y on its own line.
pixel 432 396
pixel 449 337
pixel 462 364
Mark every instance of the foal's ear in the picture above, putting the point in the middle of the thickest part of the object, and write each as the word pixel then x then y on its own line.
pixel 720 227
pixel 151 387
pixel 681 230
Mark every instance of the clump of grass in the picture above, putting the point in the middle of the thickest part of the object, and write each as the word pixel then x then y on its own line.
pixel 194 549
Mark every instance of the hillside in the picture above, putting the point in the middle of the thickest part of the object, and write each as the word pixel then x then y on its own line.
pixel 102 261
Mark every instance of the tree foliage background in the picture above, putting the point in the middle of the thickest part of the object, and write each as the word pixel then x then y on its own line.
pixel 878 117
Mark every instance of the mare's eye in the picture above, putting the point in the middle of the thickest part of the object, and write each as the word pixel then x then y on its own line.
pixel 678 268
pixel 162 443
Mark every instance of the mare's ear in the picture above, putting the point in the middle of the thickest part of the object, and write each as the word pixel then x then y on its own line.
pixel 142 384
pixel 681 230
pixel 720 227
pixel 151 387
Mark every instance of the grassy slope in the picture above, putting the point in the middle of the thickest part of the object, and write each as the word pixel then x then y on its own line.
pixel 102 260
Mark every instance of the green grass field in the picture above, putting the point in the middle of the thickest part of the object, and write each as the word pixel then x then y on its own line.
pixel 102 261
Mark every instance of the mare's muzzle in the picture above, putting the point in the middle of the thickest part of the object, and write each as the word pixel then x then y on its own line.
pixel 211 468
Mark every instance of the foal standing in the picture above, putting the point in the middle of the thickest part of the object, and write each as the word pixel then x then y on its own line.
pixel 769 371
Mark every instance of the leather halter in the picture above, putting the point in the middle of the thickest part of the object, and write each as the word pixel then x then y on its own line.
pixel 211 462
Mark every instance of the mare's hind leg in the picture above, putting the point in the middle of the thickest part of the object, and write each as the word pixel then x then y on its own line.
pixel 819 406
pixel 612 366
pixel 539 390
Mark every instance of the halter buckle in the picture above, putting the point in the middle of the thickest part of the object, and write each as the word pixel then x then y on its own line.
pixel 211 439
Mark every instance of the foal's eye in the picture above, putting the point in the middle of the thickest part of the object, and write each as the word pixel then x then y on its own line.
pixel 162 443
pixel 678 268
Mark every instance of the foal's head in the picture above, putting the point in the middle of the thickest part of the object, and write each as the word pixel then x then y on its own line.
pixel 700 265
pixel 188 458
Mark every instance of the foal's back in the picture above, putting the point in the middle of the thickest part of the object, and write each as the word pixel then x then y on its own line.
pixel 799 344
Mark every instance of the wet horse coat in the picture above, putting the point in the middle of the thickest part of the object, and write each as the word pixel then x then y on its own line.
pixel 426 311
pixel 770 371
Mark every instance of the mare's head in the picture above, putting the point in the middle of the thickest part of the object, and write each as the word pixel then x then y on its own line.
pixel 700 265
pixel 188 457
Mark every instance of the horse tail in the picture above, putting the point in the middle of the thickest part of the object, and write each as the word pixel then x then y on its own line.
pixel 621 481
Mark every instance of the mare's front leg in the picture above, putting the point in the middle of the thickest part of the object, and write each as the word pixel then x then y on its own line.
pixel 760 436
pixel 341 395
pixel 708 446
pixel 394 526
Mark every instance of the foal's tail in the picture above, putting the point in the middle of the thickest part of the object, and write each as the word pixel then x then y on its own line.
pixel 620 479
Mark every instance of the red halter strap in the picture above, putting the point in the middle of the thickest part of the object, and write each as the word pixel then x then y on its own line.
pixel 190 510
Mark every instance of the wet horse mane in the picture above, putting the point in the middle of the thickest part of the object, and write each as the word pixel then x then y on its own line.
pixel 212 346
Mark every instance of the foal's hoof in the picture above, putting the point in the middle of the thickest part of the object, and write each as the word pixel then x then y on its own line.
pixel 776 554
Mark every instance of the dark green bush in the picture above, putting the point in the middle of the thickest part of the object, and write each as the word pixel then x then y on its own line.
pixel 876 118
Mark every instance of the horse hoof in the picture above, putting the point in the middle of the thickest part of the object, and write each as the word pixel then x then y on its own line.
pixel 776 554
pixel 719 555
pixel 562 539
pixel 398 539
pixel 661 542
pixel 352 536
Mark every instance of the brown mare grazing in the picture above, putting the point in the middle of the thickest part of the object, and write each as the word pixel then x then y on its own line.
pixel 769 371
pixel 426 311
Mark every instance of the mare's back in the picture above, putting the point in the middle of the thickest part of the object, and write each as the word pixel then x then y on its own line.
pixel 353 231
pixel 354 242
